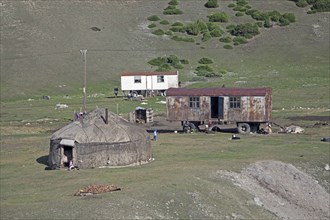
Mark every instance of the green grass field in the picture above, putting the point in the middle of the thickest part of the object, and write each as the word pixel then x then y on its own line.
pixel 40 43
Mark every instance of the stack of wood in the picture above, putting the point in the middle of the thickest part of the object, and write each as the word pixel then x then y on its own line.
pixel 96 189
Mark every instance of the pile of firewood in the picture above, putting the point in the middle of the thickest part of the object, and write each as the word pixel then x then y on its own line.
pixel 96 189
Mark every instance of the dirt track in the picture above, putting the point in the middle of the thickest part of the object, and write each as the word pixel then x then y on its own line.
pixel 283 190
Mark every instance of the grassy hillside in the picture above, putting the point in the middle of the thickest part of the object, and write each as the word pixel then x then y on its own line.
pixel 40 43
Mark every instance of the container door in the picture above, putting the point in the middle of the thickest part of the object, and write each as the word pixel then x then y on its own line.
pixel 217 107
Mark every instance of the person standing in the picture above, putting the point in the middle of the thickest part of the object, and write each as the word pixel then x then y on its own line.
pixel 155 135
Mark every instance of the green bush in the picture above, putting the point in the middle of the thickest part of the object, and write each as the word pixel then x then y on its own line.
pixel 169 32
pixel 184 39
pixel 178 29
pixel 206 36
pixel 239 14
pixel 218 17
pixel 267 24
pixel 152 25
pixel 239 40
pixel 164 67
pixel 227 46
pixel 225 39
pixel 164 22
pixel 245 30
pixel 216 33
pixel 284 22
pixel 153 18
pixel 204 69
pixel 205 60
pixel 211 4
pixel 242 2
pixel 231 5
pixel 196 28
pixel 184 61
pixel 172 10
pixel 320 5
pixel 173 2
pixel 158 61
pixel 259 23
pixel 158 32
pixel 290 17
pixel 177 24
pixel 302 3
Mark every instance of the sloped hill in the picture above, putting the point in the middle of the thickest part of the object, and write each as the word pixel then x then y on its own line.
pixel 40 43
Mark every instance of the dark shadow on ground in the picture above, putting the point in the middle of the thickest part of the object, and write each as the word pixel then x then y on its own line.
pixel 44 160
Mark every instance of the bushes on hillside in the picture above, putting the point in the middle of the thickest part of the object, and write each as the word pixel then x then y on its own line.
pixel 168 63
pixel 271 17
pixel 172 10
pixel 316 5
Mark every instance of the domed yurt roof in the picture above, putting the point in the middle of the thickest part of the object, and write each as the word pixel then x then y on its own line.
pixel 95 128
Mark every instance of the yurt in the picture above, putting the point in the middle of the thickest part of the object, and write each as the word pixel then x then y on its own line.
pixel 99 138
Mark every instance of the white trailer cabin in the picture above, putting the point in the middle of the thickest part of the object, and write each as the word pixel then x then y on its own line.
pixel 148 82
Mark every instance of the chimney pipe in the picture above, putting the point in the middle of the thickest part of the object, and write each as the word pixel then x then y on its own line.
pixel 106 116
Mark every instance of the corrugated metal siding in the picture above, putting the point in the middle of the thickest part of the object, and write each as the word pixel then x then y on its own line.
pixel 219 91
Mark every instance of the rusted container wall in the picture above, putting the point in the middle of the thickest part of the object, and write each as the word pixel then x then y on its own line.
pixel 178 109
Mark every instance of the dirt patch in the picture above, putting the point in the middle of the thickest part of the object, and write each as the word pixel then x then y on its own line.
pixel 283 190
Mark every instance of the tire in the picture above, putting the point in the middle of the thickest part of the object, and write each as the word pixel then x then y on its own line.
pixel 243 128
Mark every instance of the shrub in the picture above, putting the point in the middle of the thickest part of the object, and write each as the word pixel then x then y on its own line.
pixel 239 14
pixel 302 3
pixel 284 22
pixel 178 29
pixel 164 22
pixel 231 5
pixel 204 69
pixel 218 17
pixel 274 16
pixel 245 30
pixel 206 36
pixel 242 2
pixel 183 61
pixel 267 24
pixel 157 61
pixel 158 32
pixel 239 40
pixel 290 17
pixel 173 2
pixel 211 4
pixel 164 67
pixel 320 5
pixel 225 39
pixel 177 24
pixel 184 39
pixel 259 23
pixel 216 33
pixel 168 32
pixel 212 26
pixel 153 18
pixel 205 60
pixel 172 10
pixel 152 25
pixel 228 47
pixel 196 27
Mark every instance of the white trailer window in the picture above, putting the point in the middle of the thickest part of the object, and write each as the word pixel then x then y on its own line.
pixel 160 79
pixel 137 79
pixel 234 102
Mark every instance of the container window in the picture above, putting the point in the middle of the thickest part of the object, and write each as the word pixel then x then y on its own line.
pixel 194 102
pixel 235 102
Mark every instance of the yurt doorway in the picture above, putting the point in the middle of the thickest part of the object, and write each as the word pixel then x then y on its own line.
pixel 66 152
